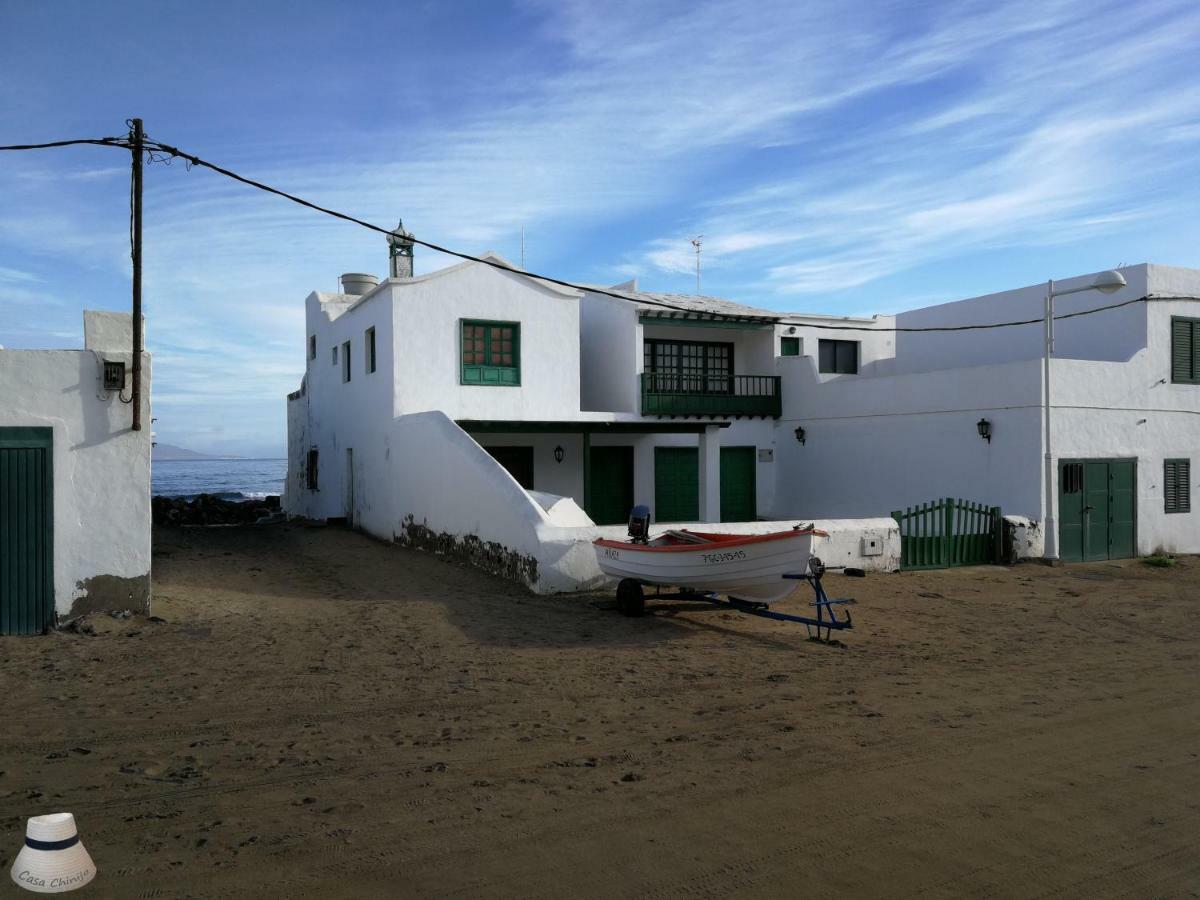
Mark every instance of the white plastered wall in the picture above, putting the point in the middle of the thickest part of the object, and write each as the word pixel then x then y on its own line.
pixel 101 467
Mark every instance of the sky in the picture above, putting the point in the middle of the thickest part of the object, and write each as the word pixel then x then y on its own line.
pixel 837 157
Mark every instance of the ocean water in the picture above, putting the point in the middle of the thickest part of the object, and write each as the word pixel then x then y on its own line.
pixel 229 479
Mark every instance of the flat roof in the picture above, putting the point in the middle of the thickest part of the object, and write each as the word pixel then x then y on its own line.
pixel 519 426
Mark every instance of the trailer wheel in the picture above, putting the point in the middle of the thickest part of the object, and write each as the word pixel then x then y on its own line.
pixel 630 600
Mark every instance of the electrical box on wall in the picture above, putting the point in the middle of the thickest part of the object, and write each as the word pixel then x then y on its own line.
pixel 872 545
pixel 766 454
pixel 114 376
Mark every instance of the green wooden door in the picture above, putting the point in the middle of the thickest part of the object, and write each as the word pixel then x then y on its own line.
pixel 1071 503
pixel 1095 490
pixel 1122 509
pixel 1097 509
pixel 26 530
pixel 610 495
pixel 738 488
pixel 518 461
pixel 676 484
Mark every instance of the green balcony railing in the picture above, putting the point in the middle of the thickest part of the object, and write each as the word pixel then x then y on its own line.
pixel 669 394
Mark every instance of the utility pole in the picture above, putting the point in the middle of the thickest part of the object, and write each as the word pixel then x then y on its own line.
pixel 696 242
pixel 137 135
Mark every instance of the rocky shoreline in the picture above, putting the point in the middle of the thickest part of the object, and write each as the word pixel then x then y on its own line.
pixel 209 509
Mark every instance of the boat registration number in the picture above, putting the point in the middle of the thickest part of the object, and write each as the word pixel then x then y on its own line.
pixel 727 556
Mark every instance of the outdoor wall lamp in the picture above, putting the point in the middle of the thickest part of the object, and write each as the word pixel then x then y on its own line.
pixel 985 429
pixel 559 453
pixel 799 432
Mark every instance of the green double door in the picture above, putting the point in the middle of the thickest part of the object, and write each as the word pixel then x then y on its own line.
pixel 1097 509
pixel 677 484
pixel 26 530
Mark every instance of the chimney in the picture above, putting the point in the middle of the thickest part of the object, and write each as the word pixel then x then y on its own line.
pixel 400 249
pixel 358 283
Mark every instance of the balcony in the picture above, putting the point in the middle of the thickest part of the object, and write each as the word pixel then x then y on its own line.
pixel 670 394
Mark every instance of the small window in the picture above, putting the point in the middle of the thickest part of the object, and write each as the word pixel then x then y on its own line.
pixel 346 371
pixel 491 353
pixel 1177 485
pixel 1072 478
pixel 312 346
pixel 838 357
pixel 334 349
pixel 789 346
pixel 369 341
pixel 310 471
pixel 1185 350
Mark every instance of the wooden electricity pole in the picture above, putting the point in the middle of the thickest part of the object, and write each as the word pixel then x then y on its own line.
pixel 138 136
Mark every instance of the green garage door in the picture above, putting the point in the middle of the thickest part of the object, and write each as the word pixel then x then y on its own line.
pixel 738 484
pixel 1097 509
pixel 676 484
pixel 610 495
pixel 26 531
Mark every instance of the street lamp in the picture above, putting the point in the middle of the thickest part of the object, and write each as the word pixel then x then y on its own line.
pixel 1107 282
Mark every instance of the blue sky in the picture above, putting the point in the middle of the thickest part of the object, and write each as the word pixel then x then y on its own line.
pixel 838 157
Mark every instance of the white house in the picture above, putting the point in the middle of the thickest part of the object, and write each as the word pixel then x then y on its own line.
pixel 74 480
pixel 482 412
pixel 905 426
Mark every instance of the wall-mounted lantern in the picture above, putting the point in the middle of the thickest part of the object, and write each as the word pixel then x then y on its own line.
pixel 559 453
pixel 114 375
pixel 985 429
pixel 799 432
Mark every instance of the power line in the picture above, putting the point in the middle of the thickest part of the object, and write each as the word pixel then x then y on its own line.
pixel 103 142
pixel 154 147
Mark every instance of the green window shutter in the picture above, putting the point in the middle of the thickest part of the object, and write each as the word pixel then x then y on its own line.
pixel 1177 485
pixel 789 346
pixel 491 353
pixel 1185 350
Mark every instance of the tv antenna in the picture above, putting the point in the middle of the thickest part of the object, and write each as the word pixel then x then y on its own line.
pixel 696 242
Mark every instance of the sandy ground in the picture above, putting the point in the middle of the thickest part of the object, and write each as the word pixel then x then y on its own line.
pixel 321 715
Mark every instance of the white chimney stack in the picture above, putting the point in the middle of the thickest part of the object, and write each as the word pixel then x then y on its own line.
pixel 400 250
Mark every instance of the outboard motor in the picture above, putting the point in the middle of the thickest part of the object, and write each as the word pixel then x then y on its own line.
pixel 639 524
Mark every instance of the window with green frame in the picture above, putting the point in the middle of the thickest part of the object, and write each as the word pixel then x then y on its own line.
pixel 491 352
pixel 789 346
pixel 1185 350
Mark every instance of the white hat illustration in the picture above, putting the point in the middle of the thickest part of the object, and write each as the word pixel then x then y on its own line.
pixel 53 860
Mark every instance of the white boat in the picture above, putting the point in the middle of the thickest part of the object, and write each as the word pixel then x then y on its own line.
pixel 743 566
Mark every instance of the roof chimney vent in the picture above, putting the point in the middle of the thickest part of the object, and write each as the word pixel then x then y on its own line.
pixel 400 250
pixel 358 283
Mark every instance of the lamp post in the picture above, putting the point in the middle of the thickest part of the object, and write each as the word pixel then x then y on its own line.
pixel 1106 282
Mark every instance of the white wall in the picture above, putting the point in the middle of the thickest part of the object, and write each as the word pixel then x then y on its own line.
pixel 101 467
pixel 427 341
pixel 610 355
pixel 1113 335
pixel 874 445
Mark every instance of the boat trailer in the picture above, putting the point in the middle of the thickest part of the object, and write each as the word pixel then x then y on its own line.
pixel 631 600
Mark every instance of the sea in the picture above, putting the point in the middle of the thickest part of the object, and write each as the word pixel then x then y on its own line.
pixel 229 479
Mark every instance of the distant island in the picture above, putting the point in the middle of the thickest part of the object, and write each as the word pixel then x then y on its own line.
pixel 169 453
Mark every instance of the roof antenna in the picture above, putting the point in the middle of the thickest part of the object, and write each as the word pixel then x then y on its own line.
pixel 696 242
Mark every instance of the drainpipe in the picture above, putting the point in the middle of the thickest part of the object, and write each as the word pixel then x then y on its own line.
pixel 1049 526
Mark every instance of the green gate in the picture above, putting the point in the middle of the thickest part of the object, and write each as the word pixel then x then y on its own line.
pixel 26 530
pixel 949 532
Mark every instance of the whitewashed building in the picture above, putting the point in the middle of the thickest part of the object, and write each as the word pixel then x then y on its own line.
pixel 480 412
pixel 908 424
pixel 74 480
